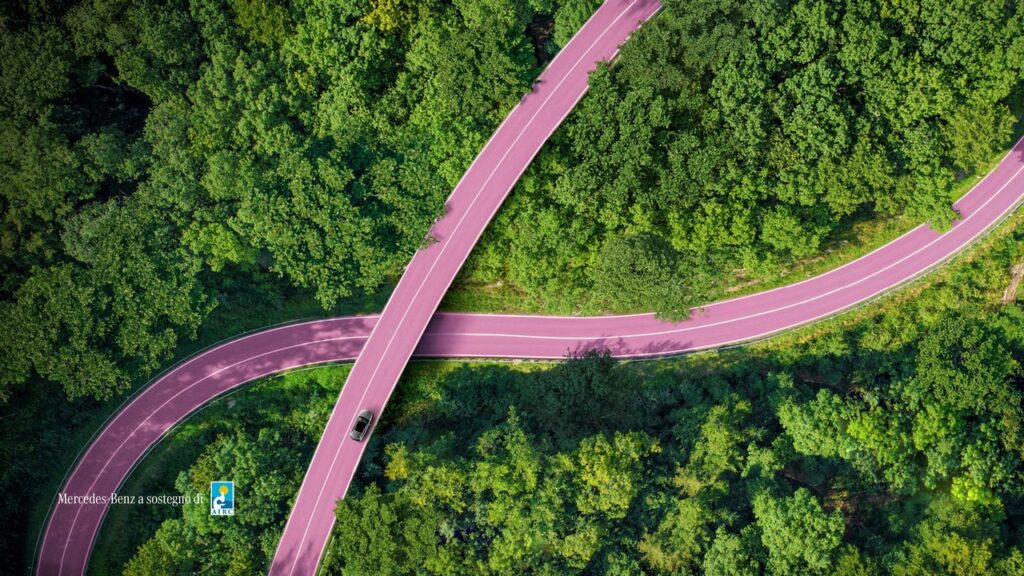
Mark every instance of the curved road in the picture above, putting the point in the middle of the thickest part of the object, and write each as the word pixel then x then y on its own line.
pixel 472 204
pixel 383 344
pixel 173 397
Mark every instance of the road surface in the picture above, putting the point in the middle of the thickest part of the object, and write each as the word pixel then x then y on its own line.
pixel 171 398
pixel 472 204
pixel 384 344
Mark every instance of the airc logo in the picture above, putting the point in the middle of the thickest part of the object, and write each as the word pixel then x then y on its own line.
pixel 222 498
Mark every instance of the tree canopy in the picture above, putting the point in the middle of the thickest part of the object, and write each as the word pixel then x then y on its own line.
pixel 748 134
pixel 165 158
pixel 888 443
pixel 162 159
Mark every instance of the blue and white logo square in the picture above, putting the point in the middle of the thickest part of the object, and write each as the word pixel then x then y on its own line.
pixel 222 498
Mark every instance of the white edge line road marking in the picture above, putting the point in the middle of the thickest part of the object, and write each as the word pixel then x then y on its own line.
pixel 491 216
pixel 185 362
pixel 437 258
pixel 754 337
pixel 235 341
pixel 630 355
pixel 227 392
pixel 964 244
pixel 450 194
pixel 168 401
pixel 777 288
pixel 758 314
pixel 129 402
pixel 512 111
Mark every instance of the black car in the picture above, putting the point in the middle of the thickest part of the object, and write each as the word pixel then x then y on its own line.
pixel 362 425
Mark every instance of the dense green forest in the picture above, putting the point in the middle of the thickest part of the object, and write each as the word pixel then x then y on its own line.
pixel 163 158
pixel 879 443
pixel 168 163
pixel 744 134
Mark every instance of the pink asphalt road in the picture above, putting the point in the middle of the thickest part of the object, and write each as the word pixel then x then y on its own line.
pixel 72 528
pixel 141 423
pixel 469 208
